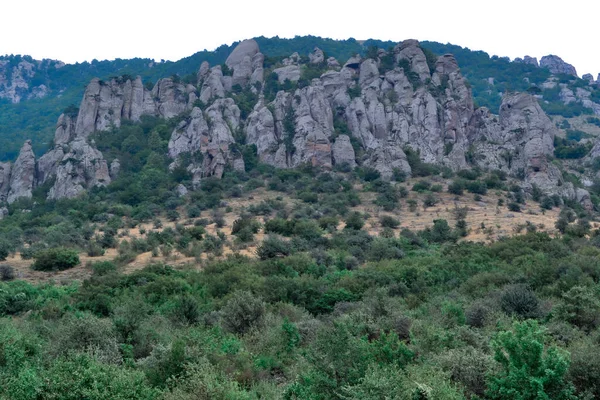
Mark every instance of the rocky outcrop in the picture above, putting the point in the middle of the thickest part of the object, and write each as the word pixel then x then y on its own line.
pixel 105 104
pixel 22 176
pixel 343 152
pixel 289 72
pixel 82 167
pixel 317 56
pixel 210 134
pixel 519 141
pixel 556 65
pixel 246 61
pixel 5 169
pixel 18 77
pixel 416 106
pixel 411 51
pixel 527 60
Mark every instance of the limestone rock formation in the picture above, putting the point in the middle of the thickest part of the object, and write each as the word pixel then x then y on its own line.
pixel 5 169
pixel 22 176
pixel 17 75
pixel 519 141
pixel 105 103
pixel 415 105
pixel 317 56
pixel 411 51
pixel 289 72
pixel 246 61
pixel 82 167
pixel 343 152
pixel 556 65
pixel 209 133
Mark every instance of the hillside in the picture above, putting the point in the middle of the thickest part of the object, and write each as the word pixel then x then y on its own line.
pixel 286 219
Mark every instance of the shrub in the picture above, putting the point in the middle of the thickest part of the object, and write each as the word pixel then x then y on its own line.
pixel 477 315
pixel 242 311
pixel 579 307
pixel 102 268
pixel 520 300
pixel 4 250
pixel 273 247
pixel 7 273
pixel 430 200
pixel 528 371
pixel 421 186
pixel 514 207
pixel 56 259
pixel 389 222
pixel 355 221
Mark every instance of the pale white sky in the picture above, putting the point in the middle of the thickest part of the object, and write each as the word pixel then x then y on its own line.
pixel 81 30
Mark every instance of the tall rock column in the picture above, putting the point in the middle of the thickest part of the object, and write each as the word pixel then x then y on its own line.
pixel 23 174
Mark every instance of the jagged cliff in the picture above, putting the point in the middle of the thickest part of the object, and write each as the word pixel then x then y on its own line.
pixel 366 112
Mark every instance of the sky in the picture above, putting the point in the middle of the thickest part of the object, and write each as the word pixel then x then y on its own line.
pixel 82 30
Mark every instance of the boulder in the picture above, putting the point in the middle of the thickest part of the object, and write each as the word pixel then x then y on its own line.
pixel 556 65
pixel 291 72
pixel 317 56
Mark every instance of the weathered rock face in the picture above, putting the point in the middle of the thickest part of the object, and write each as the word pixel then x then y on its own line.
pixel 556 65
pixel 17 75
pixel 105 103
pixel 210 134
pixel 22 176
pixel 520 141
pixel 82 167
pixel 4 180
pixel 317 56
pixel 527 60
pixel 410 50
pixel 416 105
pixel 343 152
pixel 246 61
pixel 289 72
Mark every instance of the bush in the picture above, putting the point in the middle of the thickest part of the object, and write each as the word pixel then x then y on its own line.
pixel 477 315
pixel 514 207
pixel 430 200
pixel 389 222
pixel 355 221
pixel 102 268
pixel 56 259
pixel 242 311
pixel 521 301
pixel 528 371
pixel 7 273
pixel 273 247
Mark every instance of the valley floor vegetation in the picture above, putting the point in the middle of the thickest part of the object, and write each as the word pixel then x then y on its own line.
pixel 323 309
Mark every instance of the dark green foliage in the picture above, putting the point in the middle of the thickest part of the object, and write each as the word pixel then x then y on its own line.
pixel 7 273
pixel 355 221
pixel 273 247
pixel 528 369
pixel 389 222
pixel 521 301
pixel 570 149
pixel 56 259
pixel 457 187
pixel 514 207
